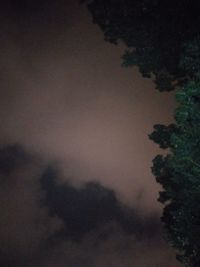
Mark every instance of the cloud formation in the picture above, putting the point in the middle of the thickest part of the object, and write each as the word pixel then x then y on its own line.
pixel 25 224
pixel 65 95
pixel 77 191
pixel 46 223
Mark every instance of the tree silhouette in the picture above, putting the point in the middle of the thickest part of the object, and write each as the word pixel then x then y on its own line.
pixel 163 40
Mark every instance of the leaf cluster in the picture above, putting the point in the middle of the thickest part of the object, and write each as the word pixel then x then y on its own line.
pixel 163 39
pixel 154 32
pixel 179 175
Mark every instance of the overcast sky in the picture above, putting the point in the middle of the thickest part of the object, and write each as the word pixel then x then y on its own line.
pixel 77 116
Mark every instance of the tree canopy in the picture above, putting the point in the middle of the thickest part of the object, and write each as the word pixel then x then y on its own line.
pixel 154 31
pixel 179 175
pixel 163 40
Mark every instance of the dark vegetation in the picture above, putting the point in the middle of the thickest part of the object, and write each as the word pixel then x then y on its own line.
pixel 163 40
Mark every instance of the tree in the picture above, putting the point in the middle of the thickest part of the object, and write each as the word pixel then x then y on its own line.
pixel 162 134
pixel 163 40
pixel 154 32
pixel 181 214
pixel 179 174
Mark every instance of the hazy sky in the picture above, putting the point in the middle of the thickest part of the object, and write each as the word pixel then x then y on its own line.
pixel 67 102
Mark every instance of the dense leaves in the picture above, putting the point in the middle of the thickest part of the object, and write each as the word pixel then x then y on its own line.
pixel 163 40
pixel 179 175
pixel 162 134
pixel 155 32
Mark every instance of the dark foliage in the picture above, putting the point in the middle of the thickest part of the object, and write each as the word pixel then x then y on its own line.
pixel 163 39
pixel 155 32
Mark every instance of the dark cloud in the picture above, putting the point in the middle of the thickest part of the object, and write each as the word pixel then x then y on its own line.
pixel 84 209
pixel 65 95
pixel 12 157
pixel 48 223
pixel 66 99
pixel 25 225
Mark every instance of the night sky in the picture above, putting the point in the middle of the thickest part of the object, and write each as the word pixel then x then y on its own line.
pixel 76 188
